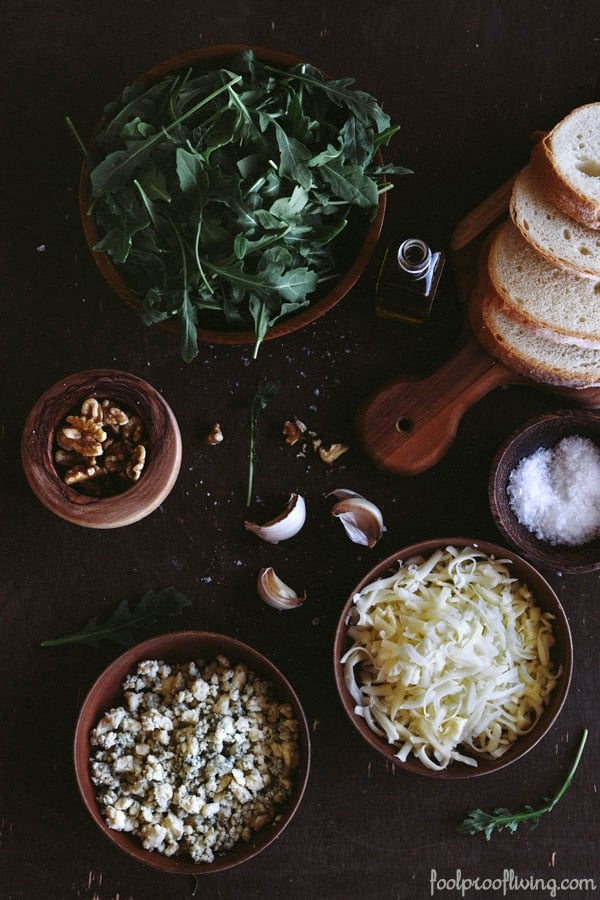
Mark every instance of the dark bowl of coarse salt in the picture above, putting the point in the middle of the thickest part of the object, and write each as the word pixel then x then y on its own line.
pixel 544 490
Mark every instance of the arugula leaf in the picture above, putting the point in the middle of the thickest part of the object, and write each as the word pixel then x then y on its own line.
pixel 191 170
pixel 289 209
pixel 152 309
pixel 189 335
pixel 120 626
pixel 154 183
pixel 266 390
pixel 293 157
pixel 502 819
pixel 135 100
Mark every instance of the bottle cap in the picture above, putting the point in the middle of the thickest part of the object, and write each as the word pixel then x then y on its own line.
pixel 414 256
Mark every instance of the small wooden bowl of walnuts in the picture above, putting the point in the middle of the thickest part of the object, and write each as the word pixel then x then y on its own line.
pixel 101 449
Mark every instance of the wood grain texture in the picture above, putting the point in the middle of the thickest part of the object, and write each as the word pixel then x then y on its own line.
pixel 408 426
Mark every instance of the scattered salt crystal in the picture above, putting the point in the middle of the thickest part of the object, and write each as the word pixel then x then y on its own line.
pixel 555 492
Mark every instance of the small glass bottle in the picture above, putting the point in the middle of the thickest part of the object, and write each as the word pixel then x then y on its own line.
pixel 407 284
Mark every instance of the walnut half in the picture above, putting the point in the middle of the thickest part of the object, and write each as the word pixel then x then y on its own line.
pixel 81 435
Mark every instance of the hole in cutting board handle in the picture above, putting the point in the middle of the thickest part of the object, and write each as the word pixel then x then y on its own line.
pixel 404 425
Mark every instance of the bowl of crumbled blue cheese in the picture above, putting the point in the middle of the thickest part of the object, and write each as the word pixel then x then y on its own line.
pixel 544 490
pixel 192 752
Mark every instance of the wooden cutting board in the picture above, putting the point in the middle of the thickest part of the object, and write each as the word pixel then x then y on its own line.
pixel 409 425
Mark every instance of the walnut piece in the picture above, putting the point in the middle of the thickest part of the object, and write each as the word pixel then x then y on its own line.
pixel 77 474
pixel 296 432
pixel 84 436
pixel 293 431
pixel 68 458
pixel 331 453
pixel 135 466
pixel 133 430
pixel 91 409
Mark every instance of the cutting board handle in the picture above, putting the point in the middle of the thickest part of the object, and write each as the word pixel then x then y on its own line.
pixel 408 426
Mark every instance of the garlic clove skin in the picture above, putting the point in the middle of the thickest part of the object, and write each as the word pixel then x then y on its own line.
pixel 284 526
pixel 362 520
pixel 275 592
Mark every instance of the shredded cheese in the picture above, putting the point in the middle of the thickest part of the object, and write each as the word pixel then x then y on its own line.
pixel 450 656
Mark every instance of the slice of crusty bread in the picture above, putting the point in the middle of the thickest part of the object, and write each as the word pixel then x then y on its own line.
pixel 534 293
pixel 527 351
pixel 563 241
pixel 567 162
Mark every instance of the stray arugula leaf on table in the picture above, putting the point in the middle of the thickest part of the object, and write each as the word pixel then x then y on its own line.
pixel 120 626
pixel 266 390
pixel 219 195
pixel 502 819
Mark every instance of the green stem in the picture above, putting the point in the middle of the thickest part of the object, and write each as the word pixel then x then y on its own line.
pixel 146 201
pixel 183 254
pixel 97 634
pixel 252 450
pixel 77 138
pixel 569 777
pixel 209 287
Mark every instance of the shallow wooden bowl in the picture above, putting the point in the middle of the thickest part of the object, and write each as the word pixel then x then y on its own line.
pixel 359 239
pixel 544 431
pixel 562 655
pixel 162 464
pixel 185 646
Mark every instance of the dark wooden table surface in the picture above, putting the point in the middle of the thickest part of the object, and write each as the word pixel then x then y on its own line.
pixel 468 82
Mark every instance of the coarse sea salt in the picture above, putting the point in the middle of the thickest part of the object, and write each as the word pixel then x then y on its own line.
pixel 555 492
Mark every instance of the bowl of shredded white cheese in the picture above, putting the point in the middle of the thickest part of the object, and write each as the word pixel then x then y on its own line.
pixel 453 657
pixel 192 752
pixel 544 490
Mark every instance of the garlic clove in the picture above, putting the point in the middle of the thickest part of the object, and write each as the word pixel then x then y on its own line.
pixel 275 592
pixel 284 526
pixel 362 520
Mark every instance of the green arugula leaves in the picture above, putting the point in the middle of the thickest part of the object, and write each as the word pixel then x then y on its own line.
pixel 267 389
pixel 121 625
pixel 479 821
pixel 221 196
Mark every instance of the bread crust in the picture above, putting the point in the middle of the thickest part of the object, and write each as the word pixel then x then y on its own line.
pixel 527 185
pixel 520 313
pixel 564 195
pixel 481 302
pixel 553 174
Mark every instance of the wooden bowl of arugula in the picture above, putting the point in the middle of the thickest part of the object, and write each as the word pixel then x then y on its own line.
pixel 235 194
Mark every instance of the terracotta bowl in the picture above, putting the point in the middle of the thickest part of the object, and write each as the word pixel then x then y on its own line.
pixel 105 693
pixel 562 654
pixel 359 242
pixel 544 431
pixel 163 459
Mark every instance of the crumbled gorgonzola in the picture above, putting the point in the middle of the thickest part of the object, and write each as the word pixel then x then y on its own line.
pixel 198 757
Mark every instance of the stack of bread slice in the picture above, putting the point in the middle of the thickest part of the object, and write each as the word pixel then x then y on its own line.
pixel 536 305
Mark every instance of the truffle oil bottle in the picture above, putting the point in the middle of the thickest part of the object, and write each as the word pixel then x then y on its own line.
pixel 407 282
